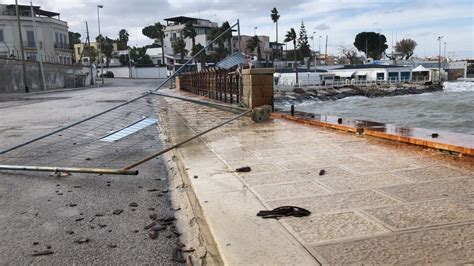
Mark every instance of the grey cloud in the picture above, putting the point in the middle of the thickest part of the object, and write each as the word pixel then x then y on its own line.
pixel 322 27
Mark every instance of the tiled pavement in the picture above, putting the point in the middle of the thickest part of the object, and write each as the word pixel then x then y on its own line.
pixel 377 202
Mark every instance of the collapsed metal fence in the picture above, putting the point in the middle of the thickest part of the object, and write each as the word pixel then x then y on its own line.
pixel 99 143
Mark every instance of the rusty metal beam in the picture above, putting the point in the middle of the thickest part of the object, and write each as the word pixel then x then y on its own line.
pixel 107 171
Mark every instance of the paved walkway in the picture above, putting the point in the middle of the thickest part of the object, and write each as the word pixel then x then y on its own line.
pixel 378 202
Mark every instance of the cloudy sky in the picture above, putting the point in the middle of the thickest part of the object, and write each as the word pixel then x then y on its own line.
pixel 341 20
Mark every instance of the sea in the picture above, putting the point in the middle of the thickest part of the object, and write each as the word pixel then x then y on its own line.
pixel 451 109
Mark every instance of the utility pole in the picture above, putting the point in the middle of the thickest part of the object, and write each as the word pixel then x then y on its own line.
pixel 326 51
pixel 100 45
pixel 17 10
pixel 38 54
pixel 238 34
pixel 439 58
pixel 445 59
pixel 88 41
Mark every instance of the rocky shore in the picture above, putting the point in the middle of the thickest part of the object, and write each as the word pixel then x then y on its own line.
pixel 326 94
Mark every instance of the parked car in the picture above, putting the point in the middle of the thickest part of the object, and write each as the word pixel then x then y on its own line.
pixel 108 74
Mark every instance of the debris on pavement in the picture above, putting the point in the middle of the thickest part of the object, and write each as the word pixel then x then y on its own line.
pixel 133 204
pixel 117 211
pixel 42 253
pixel 284 211
pixel 81 240
pixel 322 172
pixel 150 225
pixel 153 234
pixel 244 169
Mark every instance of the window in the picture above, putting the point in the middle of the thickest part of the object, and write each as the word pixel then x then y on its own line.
pixel 1 35
pixel 57 37
pixel 405 76
pixel 392 76
pixel 30 37
pixel 380 76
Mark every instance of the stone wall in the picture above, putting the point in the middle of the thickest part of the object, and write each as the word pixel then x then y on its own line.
pixel 56 76
pixel 258 87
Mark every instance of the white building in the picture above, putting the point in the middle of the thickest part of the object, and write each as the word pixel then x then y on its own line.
pixel 43 33
pixel 174 30
pixel 392 73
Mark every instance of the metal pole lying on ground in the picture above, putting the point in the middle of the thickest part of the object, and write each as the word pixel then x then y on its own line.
pixel 69 170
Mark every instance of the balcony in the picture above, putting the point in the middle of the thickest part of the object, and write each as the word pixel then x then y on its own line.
pixel 61 45
pixel 29 45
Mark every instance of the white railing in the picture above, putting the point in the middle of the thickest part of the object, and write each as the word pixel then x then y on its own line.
pixel 325 84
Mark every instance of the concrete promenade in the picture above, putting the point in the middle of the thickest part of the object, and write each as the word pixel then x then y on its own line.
pixel 378 201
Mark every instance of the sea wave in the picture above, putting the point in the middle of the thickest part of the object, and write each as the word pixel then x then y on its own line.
pixel 458 86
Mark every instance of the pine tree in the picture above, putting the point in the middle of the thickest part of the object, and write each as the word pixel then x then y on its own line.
pixel 303 44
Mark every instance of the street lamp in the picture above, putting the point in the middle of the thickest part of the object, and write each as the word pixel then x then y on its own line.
pixel 319 44
pixel 255 30
pixel 439 58
pixel 100 48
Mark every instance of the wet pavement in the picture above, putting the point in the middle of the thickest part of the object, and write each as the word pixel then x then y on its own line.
pixel 84 218
pixel 377 201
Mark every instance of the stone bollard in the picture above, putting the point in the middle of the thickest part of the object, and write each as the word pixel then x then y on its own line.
pixel 257 87
pixel 178 83
pixel 262 113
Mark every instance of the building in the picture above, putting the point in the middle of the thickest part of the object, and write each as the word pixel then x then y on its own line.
pixel 81 56
pixel 392 73
pixel 174 30
pixel 265 49
pixel 44 34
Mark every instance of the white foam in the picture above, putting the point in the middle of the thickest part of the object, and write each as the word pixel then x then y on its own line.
pixel 458 86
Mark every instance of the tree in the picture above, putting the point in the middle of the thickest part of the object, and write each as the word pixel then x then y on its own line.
pixel 179 47
pixel 106 47
pixel 122 41
pixel 90 52
pixel 371 43
pixel 291 37
pixel 156 32
pixel 202 56
pixel 227 37
pixel 74 38
pixel 405 47
pixel 220 52
pixel 190 32
pixel 303 44
pixel 254 43
pixel 275 17
pixel 349 54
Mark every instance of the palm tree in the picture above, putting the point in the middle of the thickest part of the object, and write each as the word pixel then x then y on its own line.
pixel 156 32
pixel 275 17
pixel 179 47
pixel 253 43
pixel 291 37
pixel 190 32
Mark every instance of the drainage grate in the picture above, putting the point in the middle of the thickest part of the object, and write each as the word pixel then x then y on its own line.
pixel 122 133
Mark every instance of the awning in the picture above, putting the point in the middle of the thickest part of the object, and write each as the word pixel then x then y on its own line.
pixel 344 74
pixel 420 68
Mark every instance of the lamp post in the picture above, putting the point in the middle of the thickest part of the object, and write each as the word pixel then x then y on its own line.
pixel 439 58
pixel 312 38
pixel 319 44
pixel 255 30
pixel 445 60
pixel 100 46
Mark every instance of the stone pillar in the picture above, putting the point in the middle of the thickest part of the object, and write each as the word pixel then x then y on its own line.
pixel 257 87
pixel 177 81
